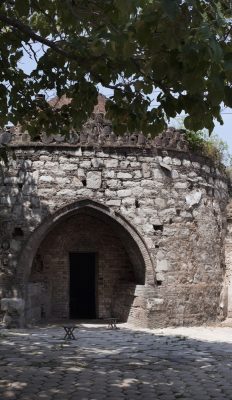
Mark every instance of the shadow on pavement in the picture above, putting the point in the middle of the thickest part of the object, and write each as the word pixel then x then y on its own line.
pixel 118 364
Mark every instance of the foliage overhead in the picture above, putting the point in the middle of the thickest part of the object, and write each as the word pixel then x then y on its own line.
pixel 158 57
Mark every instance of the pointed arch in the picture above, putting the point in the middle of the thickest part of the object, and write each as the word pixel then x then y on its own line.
pixel 131 238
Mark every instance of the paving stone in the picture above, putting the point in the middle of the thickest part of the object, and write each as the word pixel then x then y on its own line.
pixel 125 364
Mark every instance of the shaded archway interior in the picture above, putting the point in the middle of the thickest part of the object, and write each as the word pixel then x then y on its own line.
pixel 118 267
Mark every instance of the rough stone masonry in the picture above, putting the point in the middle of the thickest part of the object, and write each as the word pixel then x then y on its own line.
pixel 152 213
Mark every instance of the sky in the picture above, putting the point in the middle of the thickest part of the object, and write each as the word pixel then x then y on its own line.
pixel 224 131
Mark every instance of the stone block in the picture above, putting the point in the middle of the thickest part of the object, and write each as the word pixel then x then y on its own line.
pixel 88 153
pixel 124 175
pixel 46 192
pixel 176 161
pixel 196 165
pixel 37 164
pixel 17 211
pixel 52 165
pixel 174 174
pixel 15 245
pixel 136 191
pixel 46 179
pixel 160 276
pixel 124 164
pixel 85 164
pixel 113 163
pixel 162 265
pixel 97 162
pixel 35 176
pixel 145 291
pixel 148 228
pixel 158 174
pixel 12 305
pixel 45 158
pixel 147 183
pixel 160 203
pixel 181 185
pixel 166 167
pixel 81 173
pixel 139 302
pixel 66 192
pixel 131 158
pixel 76 182
pixel 206 168
pixel 112 202
pixel 28 189
pixel 77 153
pixel 187 163
pixel 167 160
pixel 102 154
pixel 69 167
pixel 124 193
pixel 110 193
pixel 137 174
pixel 109 173
pixel 155 221
pixel 193 198
pixel 113 183
pixel 129 201
pixel 84 192
pixel 146 171
pixel 94 179
pixel 10 180
pixel 62 181
pixel 155 304
pixel 135 164
pixel 129 184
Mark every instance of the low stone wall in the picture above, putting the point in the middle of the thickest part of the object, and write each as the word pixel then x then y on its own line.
pixel 174 201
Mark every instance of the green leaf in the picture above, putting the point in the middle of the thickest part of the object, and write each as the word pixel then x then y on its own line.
pixel 228 62
pixel 170 8
pixel 216 50
pixel 192 123
pixel 22 7
pixel 181 48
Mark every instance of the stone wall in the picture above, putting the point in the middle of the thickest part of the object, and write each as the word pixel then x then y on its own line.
pixel 174 201
pixel 226 295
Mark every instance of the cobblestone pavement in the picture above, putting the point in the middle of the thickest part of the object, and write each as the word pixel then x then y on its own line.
pixel 182 363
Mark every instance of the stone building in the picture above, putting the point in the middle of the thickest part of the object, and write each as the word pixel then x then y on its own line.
pixel 95 225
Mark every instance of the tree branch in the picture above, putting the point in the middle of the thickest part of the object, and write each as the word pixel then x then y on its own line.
pixel 21 27
pixel 30 33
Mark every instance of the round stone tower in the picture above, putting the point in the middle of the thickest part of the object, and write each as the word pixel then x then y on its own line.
pixel 94 226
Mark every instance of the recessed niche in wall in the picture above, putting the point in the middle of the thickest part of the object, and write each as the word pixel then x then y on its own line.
pixel 18 232
pixel 5 244
pixel 137 203
pixel 158 228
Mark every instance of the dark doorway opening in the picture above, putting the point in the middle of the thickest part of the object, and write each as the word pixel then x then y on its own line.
pixel 82 285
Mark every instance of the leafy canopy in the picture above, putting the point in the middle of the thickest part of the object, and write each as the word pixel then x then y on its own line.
pixel 158 57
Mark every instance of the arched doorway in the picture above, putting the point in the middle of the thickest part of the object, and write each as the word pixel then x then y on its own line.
pixel 84 262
